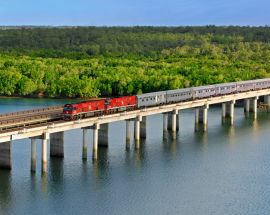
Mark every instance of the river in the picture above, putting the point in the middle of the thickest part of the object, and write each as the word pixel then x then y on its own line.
pixel 223 171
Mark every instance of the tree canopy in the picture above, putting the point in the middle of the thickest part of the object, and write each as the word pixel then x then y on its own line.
pixel 112 61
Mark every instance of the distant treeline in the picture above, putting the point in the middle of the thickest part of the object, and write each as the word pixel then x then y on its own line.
pixel 111 61
pixel 79 42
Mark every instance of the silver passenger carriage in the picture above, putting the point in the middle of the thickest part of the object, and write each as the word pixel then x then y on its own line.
pixel 179 95
pixel 223 89
pixel 151 99
pixel 244 86
pixel 204 91
pixel 262 83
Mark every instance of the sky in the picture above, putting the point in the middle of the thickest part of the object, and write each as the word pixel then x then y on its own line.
pixel 134 12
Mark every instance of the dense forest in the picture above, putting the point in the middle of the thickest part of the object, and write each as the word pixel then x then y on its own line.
pixel 112 61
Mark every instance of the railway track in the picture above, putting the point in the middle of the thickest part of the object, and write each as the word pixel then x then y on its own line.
pixel 32 125
pixel 30 117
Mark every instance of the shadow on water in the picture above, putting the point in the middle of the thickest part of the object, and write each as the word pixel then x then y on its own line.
pixel 101 166
pixel 55 174
pixel 5 189
pixel 170 144
pixel 228 131
pixel 140 155
pixel 135 154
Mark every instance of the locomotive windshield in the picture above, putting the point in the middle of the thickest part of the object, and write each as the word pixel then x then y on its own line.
pixel 69 108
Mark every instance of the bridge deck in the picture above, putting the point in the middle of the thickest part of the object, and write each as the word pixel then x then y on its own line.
pixel 60 125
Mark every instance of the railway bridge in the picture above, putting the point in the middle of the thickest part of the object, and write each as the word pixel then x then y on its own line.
pixel 48 126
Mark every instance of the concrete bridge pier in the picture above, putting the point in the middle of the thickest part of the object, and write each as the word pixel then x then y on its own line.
pixel 143 126
pixel 44 158
pixel 5 155
pixel 197 114
pixel 137 123
pixel 223 112
pixel 267 102
pixel 103 135
pixel 127 131
pixel 177 121
pixel 57 144
pixel 230 111
pixel 201 117
pixel 33 154
pixel 173 121
pixel 95 141
pixel 253 106
pixel 165 121
pixel 197 119
pixel 247 105
pixel 85 143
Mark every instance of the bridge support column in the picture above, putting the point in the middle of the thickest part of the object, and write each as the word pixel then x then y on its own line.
pixel 223 112
pixel 33 154
pixel 95 141
pixel 253 107
pixel 5 155
pixel 103 135
pixel 143 126
pixel 232 112
pixel 165 121
pixel 138 119
pixel 57 144
pixel 247 105
pixel 202 116
pixel 85 143
pixel 127 134
pixel 177 121
pixel 267 102
pixel 44 152
pixel 197 116
pixel 173 121
pixel 127 131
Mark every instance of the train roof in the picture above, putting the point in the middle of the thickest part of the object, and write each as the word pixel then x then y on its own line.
pixel 203 87
pixel 226 84
pixel 253 81
pixel 77 103
pixel 179 90
pixel 152 94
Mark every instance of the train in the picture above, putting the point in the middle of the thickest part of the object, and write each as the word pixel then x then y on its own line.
pixel 127 103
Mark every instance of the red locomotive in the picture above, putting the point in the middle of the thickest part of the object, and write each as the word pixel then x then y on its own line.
pixel 113 105
pixel 99 107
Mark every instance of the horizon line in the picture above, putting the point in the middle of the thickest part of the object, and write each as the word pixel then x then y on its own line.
pixel 125 26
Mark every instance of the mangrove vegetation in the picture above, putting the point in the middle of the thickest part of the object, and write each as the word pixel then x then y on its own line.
pixel 111 61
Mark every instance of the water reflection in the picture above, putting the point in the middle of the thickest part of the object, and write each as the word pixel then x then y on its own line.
pixel 101 166
pixel 44 185
pixel 201 139
pixel 56 175
pixel 128 144
pixel 140 154
pixel 128 156
pixel 84 171
pixel 200 127
pixel 170 144
pixel 255 126
pixel 5 190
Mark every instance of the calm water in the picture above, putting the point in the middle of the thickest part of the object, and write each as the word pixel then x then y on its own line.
pixel 223 171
